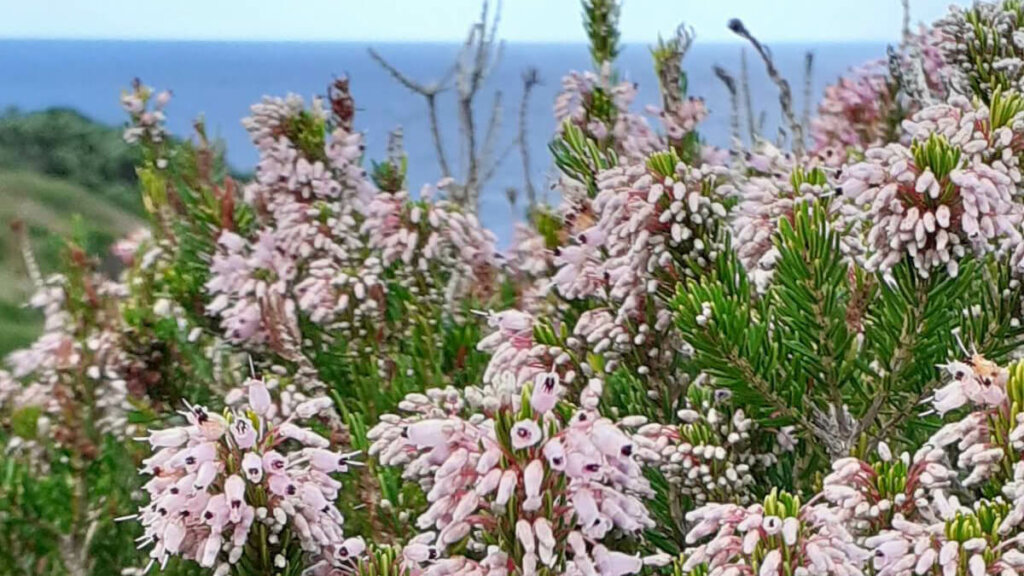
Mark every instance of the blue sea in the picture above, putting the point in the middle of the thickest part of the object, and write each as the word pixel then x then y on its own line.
pixel 219 81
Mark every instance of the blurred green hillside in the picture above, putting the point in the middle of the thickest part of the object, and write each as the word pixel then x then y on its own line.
pixel 61 174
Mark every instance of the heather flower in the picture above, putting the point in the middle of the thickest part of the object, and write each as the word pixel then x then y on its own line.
pixel 435 243
pixel 774 186
pixel 308 256
pixel 75 352
pixel 146 113
pixel 872 493
pixel 516 355
pixel 491 465
pixel 656 222
pixel 950 191
pixel 980 382
pixel 854 114
pixel 218 477
pixel 982 47
pixel 708 456
pixel 811 538
pixel 968 543
pixel 601 108
pixel 865 107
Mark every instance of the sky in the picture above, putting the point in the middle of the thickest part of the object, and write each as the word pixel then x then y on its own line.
pixel 447 20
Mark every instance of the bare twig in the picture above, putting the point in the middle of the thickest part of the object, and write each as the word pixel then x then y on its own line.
pixel 479 55
pixel 27 255
pixel 906 20
pixel 748 100
pixel 498 161
pixel 429 92
pixel 785 93
pixel 493 128
pixel 531 78
pixel 478 58
pixel 734 100
pixel 805 121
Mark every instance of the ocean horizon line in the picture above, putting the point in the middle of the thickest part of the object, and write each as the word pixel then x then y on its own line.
pixel 446 43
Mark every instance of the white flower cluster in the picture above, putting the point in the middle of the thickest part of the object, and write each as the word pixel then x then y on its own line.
pixel 217 477
pixel 982 46
pixel 434 242
pixel 776 538
pixel 514 486
pixel 771 188
pixel 307 255
pixel 967 544
pixel 651 230
pixel 516 356
pixel 146 112
pixel 708 456
pixel 601 109
pixel 951 190
pixel 73 355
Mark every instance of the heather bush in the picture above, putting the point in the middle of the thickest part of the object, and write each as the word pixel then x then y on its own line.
pixel 798 356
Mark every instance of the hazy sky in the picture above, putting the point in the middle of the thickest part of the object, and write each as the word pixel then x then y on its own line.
pixel 446 20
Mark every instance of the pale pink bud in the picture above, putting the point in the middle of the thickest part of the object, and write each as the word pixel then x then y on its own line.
pixel 533 476
pixel 259 396
pixel 506 486
pixel 252 465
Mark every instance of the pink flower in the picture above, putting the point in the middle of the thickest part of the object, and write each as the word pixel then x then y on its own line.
pixel 525 433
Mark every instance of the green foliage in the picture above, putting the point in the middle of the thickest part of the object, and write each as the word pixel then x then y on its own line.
pixel 66 145
pixel 309 133
pixel 939 156
pixel 601 22
pixel 1003 107
pixel 990 44
pixel 382 561
pixel 827 336
pixel 579 157
pixel 389 176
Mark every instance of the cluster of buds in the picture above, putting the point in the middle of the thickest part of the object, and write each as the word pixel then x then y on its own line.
pixel 871 494
pixel 515 488
pixel 778 537
pixel 982 47
pixel 307 254
pixel 950 190
pixel 78 355
pixel 708 457
pixel 601 109
pixel 146 113
pixel 656 222
pixel 771 189
pixel 434 242
pixel 971 542
pixel 518 358
pixel 229 486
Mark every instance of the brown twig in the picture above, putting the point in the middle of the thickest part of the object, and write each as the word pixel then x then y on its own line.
pixel 531 78
pixel 429 93
pixel 805 121
pixel 734 119
pixel 785 93
pixel 748 103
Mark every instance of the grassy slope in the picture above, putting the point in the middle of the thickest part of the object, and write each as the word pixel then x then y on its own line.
pixel 62 175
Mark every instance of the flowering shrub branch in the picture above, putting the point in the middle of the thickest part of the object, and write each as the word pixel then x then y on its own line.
pixel 782 359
